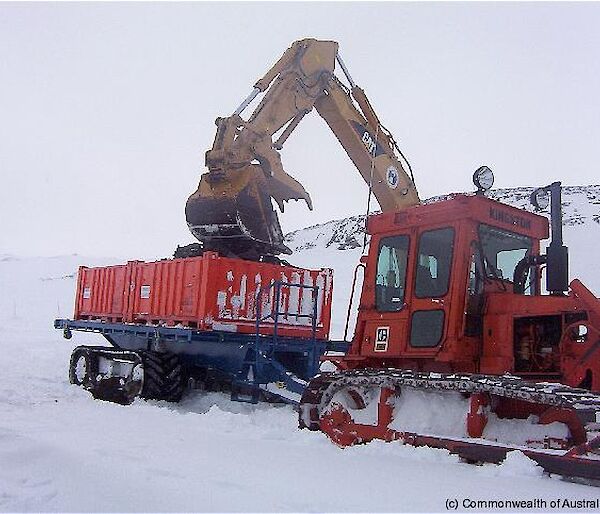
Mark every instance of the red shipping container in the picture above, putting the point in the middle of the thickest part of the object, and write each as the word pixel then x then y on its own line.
pixel 206 293
pixel 102 293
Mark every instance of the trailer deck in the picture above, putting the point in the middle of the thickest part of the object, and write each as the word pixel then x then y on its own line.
pixel 253 363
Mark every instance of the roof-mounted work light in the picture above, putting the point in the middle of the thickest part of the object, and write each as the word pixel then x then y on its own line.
pixel 540 198
pixel 483 178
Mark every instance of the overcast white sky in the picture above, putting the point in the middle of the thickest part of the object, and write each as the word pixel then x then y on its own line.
pixel 106 110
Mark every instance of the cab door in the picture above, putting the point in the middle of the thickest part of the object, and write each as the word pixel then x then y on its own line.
pixel 429 302
pixel 385 324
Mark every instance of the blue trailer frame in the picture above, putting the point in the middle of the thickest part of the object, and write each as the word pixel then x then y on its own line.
pixel 253 363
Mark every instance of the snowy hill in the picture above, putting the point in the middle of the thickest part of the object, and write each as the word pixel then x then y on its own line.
pixel 60 450
pixel 581 206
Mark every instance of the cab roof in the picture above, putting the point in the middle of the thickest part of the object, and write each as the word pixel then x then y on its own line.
pixel 459 207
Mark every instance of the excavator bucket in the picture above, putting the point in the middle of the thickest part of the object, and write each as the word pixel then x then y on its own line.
pixel 231 213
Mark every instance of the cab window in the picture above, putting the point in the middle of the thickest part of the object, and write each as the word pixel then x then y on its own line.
pixel 391 273
pixel 434 262
pixel 502 251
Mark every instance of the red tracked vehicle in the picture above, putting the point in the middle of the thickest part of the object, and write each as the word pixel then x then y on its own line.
pixel 456 345
pixel 454 332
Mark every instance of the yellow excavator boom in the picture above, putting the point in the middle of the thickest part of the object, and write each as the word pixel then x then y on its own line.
pixel 231 211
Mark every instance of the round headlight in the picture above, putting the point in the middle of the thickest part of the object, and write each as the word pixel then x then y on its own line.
pixel 540 198
pixel 483 178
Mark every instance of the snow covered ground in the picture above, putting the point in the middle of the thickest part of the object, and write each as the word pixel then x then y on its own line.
pixel 60 450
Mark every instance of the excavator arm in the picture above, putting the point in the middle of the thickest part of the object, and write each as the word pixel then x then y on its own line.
pixel 231 211
pixel 369 145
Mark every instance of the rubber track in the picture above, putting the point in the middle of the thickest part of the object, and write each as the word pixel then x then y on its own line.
pixel 163 376
pixel 321 389
pixel 108 389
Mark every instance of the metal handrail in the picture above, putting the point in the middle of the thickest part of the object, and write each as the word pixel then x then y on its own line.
pixel 275 313
pixel 358 266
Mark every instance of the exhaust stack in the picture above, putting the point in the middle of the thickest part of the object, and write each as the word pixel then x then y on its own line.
pixel 557 270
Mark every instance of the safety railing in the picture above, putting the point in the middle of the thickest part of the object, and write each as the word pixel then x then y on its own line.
pixel 266 346
pixel 275 312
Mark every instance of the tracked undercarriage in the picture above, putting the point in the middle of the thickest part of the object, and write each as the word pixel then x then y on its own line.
pixel 120 376
pixel 479 417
